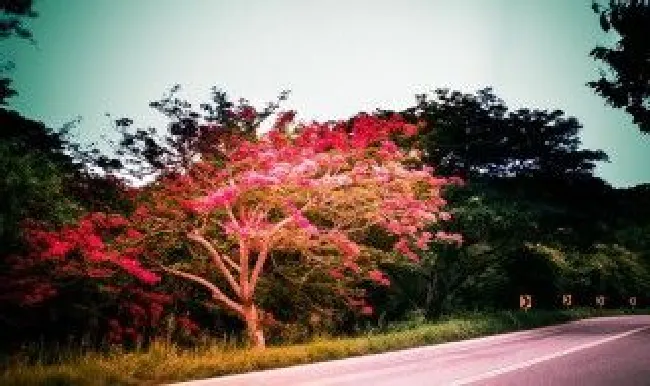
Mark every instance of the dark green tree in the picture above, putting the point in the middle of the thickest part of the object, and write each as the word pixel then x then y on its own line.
pixel 477 136
pixel 626 81
pixel 531 197
pixel 500 236
pixel 13 14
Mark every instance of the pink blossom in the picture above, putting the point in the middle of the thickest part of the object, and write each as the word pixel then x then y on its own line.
pixel 221 197
pixel 134 268
pixel 423 240
pixel 59 248
pixel 402 247
pixel 425 215
pixel 449 237
pixel 379 277
pixel 99 273
pixel 395 227
pixel 116 221
pixel 334 181
pixel 133 234
pixel 231 228
pixel 284 118
pixel 352 174
pixel 307 166
pixel 96 255
pixel 381 173
pixel 344 244
pixel 389 151
pixel 352 266
pixel 302 221
pixel 444 216
pixel 258 179
pixel 367 310
pixel 456 181
pixel 93 242
pixel 280 170
pixel 410 130
pixel 389 146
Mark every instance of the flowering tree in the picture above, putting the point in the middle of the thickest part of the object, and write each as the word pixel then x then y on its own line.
pixel 318 195
pixel 321 195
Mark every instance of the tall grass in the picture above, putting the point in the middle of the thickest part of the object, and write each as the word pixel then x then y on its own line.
pixel 164 362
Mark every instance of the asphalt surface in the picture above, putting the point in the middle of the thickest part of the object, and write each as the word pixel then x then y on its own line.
pixel 600 351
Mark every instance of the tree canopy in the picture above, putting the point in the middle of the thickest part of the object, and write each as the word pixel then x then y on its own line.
pixel 625 83
pixel 476 135
pixel 13 14
pixel 191 134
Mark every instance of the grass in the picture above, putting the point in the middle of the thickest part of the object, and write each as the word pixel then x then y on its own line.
pixel 163 363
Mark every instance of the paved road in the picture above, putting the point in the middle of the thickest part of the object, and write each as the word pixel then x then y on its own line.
pixel 594 352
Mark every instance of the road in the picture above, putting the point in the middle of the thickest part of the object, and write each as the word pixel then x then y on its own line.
pixel 598 351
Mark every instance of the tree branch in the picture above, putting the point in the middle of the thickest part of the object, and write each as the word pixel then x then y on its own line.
pixel 217 258
pixel 259 264
pixel 231 263
pixel 217 294
pixel 244 284
pixel 264 252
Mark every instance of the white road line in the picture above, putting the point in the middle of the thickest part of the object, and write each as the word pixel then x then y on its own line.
pixel 507 369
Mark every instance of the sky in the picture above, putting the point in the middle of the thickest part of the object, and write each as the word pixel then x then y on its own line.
pixel 337 57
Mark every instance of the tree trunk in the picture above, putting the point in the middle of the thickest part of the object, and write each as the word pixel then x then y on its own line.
pixel 432 298
pixel 254 327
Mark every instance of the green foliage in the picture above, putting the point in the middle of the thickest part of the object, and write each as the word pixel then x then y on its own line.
pixel 626 81
pixel 13 14
pixel 476 135
pixel 523 236
pixel 611 270
pixel 481 274
pixel 31 187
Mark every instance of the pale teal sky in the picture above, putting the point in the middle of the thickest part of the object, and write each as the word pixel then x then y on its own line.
pixel 338 57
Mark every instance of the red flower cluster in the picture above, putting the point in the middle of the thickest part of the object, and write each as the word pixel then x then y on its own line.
pixel 284 119
pixel 379 277
pixel 82 249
